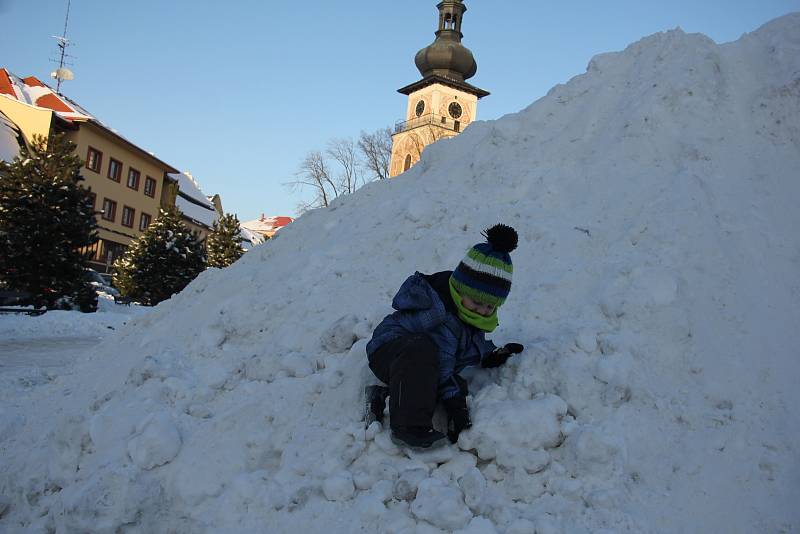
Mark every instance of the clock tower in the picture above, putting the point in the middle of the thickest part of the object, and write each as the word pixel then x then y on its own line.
pixel 442 103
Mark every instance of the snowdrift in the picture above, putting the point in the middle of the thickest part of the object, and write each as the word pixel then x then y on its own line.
pixel 656 291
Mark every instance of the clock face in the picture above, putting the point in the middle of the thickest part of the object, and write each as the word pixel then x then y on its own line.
pixel 454 109
pixel 420 108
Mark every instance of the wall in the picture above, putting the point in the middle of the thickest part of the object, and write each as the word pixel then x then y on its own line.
pixel 437 99
pixel 29 119
pixel 103 187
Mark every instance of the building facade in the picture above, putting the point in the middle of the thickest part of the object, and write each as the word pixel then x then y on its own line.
pixel 442 103
pixel 129 185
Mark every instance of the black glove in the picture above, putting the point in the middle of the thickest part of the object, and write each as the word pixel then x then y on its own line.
pixel 457 416
pixel 498 356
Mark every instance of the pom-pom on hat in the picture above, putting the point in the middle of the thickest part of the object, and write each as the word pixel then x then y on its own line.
pixel 485 272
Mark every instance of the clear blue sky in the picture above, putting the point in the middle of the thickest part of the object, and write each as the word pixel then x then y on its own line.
pixel 238 92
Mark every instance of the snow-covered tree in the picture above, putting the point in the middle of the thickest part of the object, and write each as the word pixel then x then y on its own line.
pixel 47 224
pixel 224 244
pixel 160 262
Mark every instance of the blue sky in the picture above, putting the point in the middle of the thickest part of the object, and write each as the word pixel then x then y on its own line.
pixel 238 92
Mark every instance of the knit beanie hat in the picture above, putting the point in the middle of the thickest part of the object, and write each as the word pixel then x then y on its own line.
pixel 484 275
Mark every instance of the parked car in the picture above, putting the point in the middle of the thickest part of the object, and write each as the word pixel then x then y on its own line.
pixel 100 283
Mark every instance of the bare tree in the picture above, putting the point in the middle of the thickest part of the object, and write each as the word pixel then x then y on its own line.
pixel 314 173
pixel 376 149
pixel 343 152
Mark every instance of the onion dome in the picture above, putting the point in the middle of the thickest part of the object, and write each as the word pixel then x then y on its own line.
pixel 446 56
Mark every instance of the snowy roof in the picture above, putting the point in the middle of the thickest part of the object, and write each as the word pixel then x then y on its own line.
pixel 189 187
pixel 34 92
pixel 192 201
pixel 9 139
pixel 250 239
pixel 267 225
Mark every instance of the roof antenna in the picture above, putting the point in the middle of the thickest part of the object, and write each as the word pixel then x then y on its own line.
pixel 62 73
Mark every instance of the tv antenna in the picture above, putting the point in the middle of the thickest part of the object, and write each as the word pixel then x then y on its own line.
pixel 62 73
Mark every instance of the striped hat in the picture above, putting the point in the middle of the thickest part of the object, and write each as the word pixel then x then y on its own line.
pixel 484 275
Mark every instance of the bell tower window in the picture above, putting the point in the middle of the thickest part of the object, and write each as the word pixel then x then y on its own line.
pixel 407 163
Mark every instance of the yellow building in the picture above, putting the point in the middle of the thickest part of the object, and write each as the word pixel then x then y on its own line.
pixel 129 185
pixel 441 104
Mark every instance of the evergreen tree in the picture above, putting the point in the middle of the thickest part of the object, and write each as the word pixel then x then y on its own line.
pixel 160 262
pixel 46 224
pixel 224 244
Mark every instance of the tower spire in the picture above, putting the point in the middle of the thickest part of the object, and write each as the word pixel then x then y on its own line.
pixel 442 103
pixel 446 56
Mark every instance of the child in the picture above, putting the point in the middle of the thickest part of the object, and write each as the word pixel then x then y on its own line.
pixel 436 331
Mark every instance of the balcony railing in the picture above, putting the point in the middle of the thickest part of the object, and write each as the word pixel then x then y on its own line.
pixel 428 120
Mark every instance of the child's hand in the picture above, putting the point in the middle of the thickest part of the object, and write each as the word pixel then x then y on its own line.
pixel 499 356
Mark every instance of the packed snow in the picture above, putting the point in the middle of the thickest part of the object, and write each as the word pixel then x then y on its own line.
pixel 656 291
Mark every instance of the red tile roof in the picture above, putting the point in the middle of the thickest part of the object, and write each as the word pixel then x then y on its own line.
pixel 33 91
pixel 6 86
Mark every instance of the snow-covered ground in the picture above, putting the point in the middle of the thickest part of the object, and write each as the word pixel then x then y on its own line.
pixel 37 350
pixel 657 291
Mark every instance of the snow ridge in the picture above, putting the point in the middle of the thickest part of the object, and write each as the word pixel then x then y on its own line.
pixel 656 290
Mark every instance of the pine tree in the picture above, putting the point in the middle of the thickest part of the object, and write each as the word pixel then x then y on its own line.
pixel 47 224
pixel 224 244
pixel 160 262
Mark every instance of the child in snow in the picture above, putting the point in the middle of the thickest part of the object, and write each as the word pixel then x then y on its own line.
pixel 437 330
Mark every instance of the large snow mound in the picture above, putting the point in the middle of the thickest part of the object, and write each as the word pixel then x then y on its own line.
pixel 656 291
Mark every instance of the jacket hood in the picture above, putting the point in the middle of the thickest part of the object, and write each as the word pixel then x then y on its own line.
pixel 416 294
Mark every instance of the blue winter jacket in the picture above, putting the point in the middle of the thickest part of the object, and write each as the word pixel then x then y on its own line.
pixel 424 304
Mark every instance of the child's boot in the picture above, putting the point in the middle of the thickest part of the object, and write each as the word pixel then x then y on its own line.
pixel 374 404
pixel 418 437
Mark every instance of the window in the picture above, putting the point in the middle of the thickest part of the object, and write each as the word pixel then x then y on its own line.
pixel 407 164
pixel 144 221
pixel 109 210
pixel 114 169
pixel 112 251
pixel 94 160
pixel 127 216
pixel 133 178
pixel 150 187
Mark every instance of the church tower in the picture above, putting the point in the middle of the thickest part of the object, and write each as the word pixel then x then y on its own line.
pixel 442 103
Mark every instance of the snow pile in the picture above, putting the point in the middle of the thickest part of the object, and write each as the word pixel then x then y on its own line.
pixel 656 291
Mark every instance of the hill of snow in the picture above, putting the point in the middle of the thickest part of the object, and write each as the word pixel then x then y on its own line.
pixel 657 291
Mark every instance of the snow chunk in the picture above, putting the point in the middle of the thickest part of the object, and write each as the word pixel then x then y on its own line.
pixel 596 451
pixel 340 336
pixel 339 487
pixel 157 441
pixel 526 424
pixel 441 505
pixel 405 488
pixel 473 484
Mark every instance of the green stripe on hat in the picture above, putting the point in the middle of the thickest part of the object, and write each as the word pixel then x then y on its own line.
pixel 494 262
pixel 475 294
